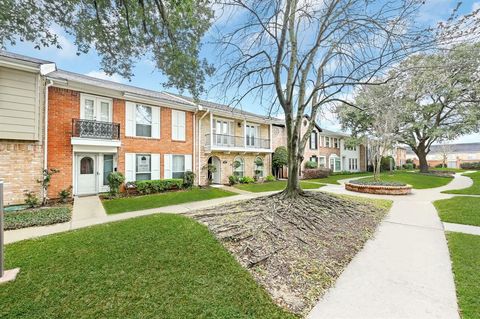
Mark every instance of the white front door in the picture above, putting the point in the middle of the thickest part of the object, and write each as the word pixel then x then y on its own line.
pixel 87 167
pixel 216 176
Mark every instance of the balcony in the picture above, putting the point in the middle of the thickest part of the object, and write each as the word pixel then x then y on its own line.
pixel 95 133
pixel 223 142
pixel 95 129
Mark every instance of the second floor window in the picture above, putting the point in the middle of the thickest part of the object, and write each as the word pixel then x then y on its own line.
pixel 143 120
pixel 327 141
pixel 313 141
pixel 252 134
pixel 335 142
pixel 96 108
pixel 178 125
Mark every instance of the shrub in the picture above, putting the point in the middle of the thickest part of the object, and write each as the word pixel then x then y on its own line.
pixel 31 199
pixel 269 178
pixel 311 165
pixel 45 182
pixel 376 183
pixel 232 180
pixel 408 166
pixel 316 173
pixel 188 179
pixel 385 163
pixel 115 179
pixel 410 161
pixel 65 194
pixel 157 186
pixel 36 217
pixel 246 180
pixel 470 165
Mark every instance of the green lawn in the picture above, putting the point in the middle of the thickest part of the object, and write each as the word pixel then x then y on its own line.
pixel 129 204
pixel 472 190
pixel 459 210
pixel 333 179
pixel 273 186
pixel 464 252
pixel 418 181
pixel 160 266
pixel 457 170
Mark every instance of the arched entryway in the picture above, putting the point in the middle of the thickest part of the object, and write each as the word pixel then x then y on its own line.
pixel 214 170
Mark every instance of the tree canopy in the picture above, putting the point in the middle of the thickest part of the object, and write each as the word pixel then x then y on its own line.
pixel 121 31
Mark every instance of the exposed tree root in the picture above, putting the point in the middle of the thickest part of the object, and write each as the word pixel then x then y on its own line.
pixel 295 247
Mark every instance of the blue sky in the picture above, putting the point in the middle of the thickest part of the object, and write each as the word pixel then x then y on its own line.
pixel 146 77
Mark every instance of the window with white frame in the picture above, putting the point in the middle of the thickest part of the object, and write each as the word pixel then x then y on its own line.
pixel 238 167
pixel 313 140
pixel 95 108
pixel 321 161
pixel 178 166
pixel 178 125
pixel 143 166
pixel 143 120
pixel 252 132
pixel 327 141
pixel 335 142
pixel 353 164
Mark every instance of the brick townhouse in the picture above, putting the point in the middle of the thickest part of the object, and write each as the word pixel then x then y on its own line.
pixel 96 127
pixel 328 149
pixel 22 138
pixel 233 141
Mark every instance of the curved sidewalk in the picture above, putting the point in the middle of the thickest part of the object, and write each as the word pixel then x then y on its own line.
pixel 404 271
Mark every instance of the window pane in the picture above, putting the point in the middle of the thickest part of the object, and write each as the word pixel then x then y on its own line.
pixel 178 163
pixel 143 164
pixel 89 109
pixel 107 167
pixel 144 177
pixel 86 165
pixel 104 112
pixel 178 175
pixel 143 120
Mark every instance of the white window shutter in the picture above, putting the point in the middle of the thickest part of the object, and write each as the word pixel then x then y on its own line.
pixel 155 166
pixel 188 163
pixel 155 122
pixel 167 166
pixel 181 125
pixel 174 125
pixel 129 167
pixel 129 119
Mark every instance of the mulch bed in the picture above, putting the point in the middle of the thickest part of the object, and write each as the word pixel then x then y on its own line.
pixel 295 248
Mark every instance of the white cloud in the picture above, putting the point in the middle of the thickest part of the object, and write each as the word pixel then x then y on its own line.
pixel 103 76
pixel 476 6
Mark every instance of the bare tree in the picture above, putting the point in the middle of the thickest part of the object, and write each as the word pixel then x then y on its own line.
pixel 375 121
pixel 303 55
pixel 446 150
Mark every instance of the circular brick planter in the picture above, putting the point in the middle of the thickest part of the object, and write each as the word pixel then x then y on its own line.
pixel 379 189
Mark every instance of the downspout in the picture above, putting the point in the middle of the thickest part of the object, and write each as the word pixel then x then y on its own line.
pixel 199 140
pixel 194 140
pixel 45 137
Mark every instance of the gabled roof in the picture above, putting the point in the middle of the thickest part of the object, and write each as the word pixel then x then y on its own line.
pixel 63 75
pixel 23 58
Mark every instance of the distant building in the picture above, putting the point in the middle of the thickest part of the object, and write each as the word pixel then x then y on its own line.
pixel 455 154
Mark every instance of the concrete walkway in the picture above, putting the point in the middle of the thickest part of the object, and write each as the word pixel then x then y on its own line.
pixel 459 228
pixel 89 211
pixel 405 271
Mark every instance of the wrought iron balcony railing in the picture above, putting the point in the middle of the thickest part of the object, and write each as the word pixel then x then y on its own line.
pixel 223 140
pixel 95 129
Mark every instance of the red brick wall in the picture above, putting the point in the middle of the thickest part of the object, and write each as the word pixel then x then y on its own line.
pixel 64 105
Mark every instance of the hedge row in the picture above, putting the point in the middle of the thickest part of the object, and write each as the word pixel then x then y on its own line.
pixel 157 186
pixel 316 173
pixel 36 217
pixel 472 165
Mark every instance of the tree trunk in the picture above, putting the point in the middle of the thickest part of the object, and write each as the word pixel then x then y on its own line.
pixel 293 138
pixel 422 158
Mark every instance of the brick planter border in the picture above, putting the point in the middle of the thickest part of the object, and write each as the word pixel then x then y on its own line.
pixel 379 189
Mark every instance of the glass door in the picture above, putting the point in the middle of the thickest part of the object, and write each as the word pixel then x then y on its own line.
pixel 107 167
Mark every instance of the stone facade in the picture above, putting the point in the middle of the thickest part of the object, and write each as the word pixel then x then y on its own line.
pixel 21 165
pixel 228 155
